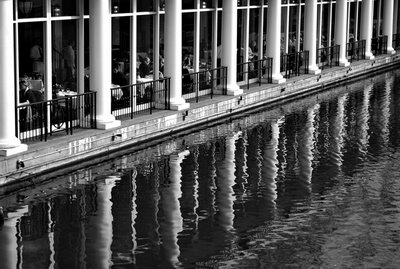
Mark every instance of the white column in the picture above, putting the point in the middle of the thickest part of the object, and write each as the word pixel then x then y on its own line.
pixel 388 24
pixel 274 39
pixel 340 30
pixel 100 61
pixel 9 143
pixel 173 52
pixel 229 41
pixel 367 14
pixel 310 35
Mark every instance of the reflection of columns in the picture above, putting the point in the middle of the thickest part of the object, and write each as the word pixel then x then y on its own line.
pixel 134 214
pixel 310 38
pixel 306 147
pixel 340 30
pixel 229 41
pixel 173 222
pixel 9 143
pixel 269 168
pixel 338 131
pixel 274 39
pixel 226 180
pixel 173 52
pixel 100 232
pixel 384 109
pixel 100 61
pixel 9 237
pixel 388 24
pixel 363 119
pixel 367 14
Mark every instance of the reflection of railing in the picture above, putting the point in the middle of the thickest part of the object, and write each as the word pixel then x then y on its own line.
pixel 379 45
pixel 142 97
pixel 294 64
pixel 37 121
pixel 396 41
pixel 356 50
pixel 255 70
pixel 328 56
pixel 204 83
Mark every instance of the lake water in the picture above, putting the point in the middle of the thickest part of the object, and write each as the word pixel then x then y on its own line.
pixel 314 183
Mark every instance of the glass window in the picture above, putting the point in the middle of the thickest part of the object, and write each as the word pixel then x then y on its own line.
pixel 121 6
pixel 64 54
pixel 30 49
pixel 63 8
pixel 187 39
pixel 147 5
pixel 144 45
pixel 188 4
pixel 31 8
pixel 121 49
pixel 253 34
pixel 205 38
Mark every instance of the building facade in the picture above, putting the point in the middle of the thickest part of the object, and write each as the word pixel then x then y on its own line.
pixel 78 44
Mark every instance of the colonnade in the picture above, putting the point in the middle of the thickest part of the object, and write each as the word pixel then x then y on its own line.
pixel 100 53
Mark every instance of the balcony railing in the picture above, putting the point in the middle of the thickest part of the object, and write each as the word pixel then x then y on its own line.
pixel 396 41
pixel 294 64
pixel 37 121
pixel 355 50
pixel 142 97
pixel 328 56
pixel 379 45
pixel 255 70
pixel 204 83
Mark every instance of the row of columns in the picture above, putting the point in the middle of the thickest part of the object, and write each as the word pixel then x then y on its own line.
pixel 100 53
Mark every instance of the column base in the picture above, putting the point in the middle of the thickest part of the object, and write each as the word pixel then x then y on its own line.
pixel 344 62
pixel 105 122
pixel 13 151
pixel 278 79
pixel 391 51
pixel 234 90
pixel 178 104
pixel 314 70
pixel 369 56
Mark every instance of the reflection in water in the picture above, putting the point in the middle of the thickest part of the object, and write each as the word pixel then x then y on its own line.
pixel 99 229
pixel 172 224
pixel 310 184
pixel 225 182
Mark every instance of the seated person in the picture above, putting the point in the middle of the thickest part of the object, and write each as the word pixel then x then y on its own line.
pixel 29 96
pixel 120 79
pixel 144 67
pixel 187 81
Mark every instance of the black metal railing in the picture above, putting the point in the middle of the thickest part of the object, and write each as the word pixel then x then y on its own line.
pixel 355 51
pixel 328 56
pixel 37 121
pixel 379 45
pixel 257 69
pixel 142 97
pixel 396 41
pixel 294 64
pixel 204 83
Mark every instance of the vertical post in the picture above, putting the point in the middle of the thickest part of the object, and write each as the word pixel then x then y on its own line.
pixel 100 61
pixel 366 26
pixel 388 25
pixel 274 39
pixel 9 143
pixel 340 30
pixel 310 38
pixel 229 41
pixel 173 52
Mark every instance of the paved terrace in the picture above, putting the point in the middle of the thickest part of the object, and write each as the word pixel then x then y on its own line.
pixel 63 153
